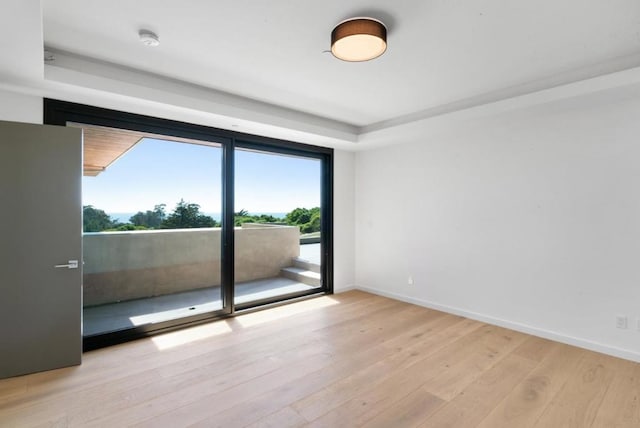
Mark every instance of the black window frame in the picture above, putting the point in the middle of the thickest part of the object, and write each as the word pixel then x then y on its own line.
pixel 59 113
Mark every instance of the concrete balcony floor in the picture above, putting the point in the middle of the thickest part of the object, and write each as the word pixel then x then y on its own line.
pixel 123 315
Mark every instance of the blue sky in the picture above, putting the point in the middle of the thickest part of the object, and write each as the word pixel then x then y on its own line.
pixel 157 171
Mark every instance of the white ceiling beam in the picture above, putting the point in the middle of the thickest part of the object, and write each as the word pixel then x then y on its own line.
pixel 70 77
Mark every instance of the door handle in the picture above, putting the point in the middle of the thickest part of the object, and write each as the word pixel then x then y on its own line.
pixel 73 264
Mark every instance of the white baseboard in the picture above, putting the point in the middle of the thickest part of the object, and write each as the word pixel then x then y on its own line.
pixel 546 334
pixel 344 289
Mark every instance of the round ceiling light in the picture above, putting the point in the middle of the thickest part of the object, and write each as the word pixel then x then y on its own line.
pixel 149 38
pixel 359 39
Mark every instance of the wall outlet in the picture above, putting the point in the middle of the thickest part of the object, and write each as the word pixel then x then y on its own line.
pixel 621 321
pixel 410 280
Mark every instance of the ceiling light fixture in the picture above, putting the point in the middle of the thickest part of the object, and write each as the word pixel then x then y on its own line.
pixel 359 39
pixel 149 38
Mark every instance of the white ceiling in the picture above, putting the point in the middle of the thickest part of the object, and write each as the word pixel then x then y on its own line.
pixel 441 52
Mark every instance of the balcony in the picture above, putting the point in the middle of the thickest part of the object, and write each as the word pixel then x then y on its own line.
pixel 139 277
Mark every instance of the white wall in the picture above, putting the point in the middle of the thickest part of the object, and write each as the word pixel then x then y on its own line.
pixel 529 220
pixel 344 217
pixel 20 108
pixel 21 42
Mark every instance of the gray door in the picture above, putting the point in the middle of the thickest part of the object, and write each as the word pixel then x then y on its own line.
pixel 40 227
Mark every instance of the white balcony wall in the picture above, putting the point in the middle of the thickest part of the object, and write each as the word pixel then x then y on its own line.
pixel 122 266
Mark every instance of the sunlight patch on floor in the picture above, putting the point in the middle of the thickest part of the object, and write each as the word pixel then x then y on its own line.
pixel 274 314
pixel 190 335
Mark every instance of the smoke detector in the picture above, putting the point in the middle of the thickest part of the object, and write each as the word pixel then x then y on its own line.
pixel 148 38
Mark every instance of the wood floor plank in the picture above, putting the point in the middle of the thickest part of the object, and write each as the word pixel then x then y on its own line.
pixel 353 359
pixel 274 370
pixel 459 371
pixel 284 418
pixel 620 407
pixel 472 405
pixel 50 392
pixel 369 377
pixel 408 412
pixel 578 401
pixel 530 398
pixel 330 368
pixel 253 408
pixel 417 364
pixel 534 348
pixel 76 381
pixel 377 397
pixel 13 388
pixel 176 392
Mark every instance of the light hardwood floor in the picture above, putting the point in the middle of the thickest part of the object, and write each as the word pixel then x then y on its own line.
pixel 352 359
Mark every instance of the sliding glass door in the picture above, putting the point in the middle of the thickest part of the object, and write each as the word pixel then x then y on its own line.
pixel 185 223
pixel 152 237
pixel 278 224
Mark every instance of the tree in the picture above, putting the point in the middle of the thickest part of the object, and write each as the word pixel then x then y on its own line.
pixel 312 225
pixel 307 219
pixel 243 216
pixel 298 216
pixel 149 219
pixel 187 216
pixel 95 220
pixel 125 227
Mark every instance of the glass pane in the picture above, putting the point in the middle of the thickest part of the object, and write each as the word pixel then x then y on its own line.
pixel 152 237
pixel 277 219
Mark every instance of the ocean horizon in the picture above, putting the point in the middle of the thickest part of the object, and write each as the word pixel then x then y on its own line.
pixel 121 217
